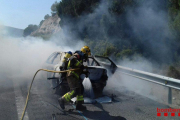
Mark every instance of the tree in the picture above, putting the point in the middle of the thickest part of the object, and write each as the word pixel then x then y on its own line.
pixel 41 23
pixel 173 72
pixel 75 8
pixel 54 8
pixel 28 30
pixel 46 16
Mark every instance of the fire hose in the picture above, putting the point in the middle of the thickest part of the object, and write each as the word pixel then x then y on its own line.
pixel 27 98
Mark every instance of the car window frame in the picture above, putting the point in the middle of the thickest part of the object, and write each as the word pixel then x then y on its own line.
pixel 56 57
pixel 52 57
pixel 94 61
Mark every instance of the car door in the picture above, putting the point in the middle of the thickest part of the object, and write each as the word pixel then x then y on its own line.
pixel 52 63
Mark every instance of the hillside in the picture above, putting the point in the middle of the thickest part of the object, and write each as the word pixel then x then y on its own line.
pixel 48 27
pixel 10 31
pixel 122 29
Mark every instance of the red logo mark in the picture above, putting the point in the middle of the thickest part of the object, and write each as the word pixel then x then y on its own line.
pixel 167 111
pixel 158 114
pixel 173 114
pixel 165 114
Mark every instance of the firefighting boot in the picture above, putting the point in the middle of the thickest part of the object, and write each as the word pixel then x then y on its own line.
pixel 80 107
pixel 61 103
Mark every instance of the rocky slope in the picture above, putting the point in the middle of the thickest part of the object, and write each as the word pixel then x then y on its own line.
pixel 49 26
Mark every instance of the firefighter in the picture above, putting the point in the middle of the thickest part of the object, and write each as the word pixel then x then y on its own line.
pixel 75 61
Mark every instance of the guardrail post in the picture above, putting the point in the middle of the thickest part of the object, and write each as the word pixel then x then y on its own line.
pixel 169 95
pixel 53 117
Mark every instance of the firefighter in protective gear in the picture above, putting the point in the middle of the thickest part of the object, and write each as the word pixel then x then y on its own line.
pixel 75 61
pixel 67 55
pixel 86 50
pixel 64 64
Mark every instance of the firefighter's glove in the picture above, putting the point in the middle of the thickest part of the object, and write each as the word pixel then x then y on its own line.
pixel 82 67
pixel 86 73
pixel 60 67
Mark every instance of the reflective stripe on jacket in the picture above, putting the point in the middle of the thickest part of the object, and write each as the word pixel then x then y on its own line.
pixel 73 64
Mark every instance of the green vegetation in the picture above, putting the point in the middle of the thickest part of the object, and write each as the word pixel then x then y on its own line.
pixel 53 8
pixel 29 30
pixel 75 8
pixel 174 24
pixel 174 16
pixel 105 27
pixel 41 23
pixel 46 16
pixel 173 72
pixel 105 36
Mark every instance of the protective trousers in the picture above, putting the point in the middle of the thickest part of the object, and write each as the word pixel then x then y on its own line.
pixel 75 90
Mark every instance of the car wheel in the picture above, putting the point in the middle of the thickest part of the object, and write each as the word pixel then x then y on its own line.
pixel 98 89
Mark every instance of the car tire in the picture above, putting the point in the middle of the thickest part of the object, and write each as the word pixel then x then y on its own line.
pixel 98 89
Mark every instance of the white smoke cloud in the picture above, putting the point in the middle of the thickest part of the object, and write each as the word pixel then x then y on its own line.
pixel 22 57
pixel 127 85
pixel 150 24
pixel 124 83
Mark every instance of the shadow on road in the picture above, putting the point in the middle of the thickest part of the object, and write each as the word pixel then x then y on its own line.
pixel 96 115
pixel 101 115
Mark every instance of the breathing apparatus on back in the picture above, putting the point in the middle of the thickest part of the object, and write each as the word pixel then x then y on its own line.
pixel 83 53
pixel 65 60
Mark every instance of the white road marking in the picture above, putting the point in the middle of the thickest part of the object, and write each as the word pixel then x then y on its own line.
pixel 20 102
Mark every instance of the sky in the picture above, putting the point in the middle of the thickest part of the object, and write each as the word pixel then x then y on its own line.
pixel 21 13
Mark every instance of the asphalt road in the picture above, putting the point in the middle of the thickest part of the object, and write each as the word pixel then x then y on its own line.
pixel 43 104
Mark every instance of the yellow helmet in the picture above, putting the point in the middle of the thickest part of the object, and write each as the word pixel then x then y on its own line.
pixel 86 50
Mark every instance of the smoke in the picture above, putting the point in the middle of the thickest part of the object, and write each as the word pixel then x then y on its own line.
pixel 149 23
pixel 129 85
pixel 22 57
pixel 2 29
pixel 88 90
pixel 144 26
pixel 1 26
pixel 149 27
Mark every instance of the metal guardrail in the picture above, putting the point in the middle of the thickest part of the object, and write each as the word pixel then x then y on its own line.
pixel 158 79
pixel 150 77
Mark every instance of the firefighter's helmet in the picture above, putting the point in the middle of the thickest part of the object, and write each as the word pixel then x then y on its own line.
pixel 86 50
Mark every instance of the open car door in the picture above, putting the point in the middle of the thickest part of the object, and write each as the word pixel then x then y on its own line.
pixel 107 63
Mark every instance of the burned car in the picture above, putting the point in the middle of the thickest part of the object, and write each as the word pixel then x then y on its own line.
pixel 98 70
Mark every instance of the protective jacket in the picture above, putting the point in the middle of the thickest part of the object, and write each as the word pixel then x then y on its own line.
pixel 73 64
pixel 73 79
pixel 74 82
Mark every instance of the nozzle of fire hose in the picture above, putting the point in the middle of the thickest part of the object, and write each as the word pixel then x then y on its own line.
pixel 87 73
